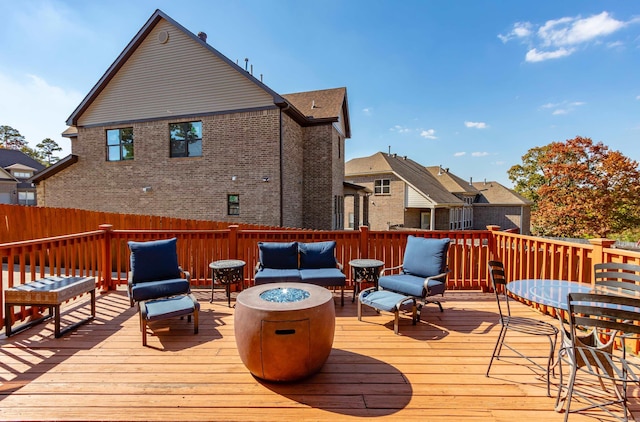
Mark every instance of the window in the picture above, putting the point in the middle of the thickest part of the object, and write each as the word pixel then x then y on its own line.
pixel 22 174
pixel 26 198
pixel 120 144
pixel 233 204
pixel 425 220
pixel 382 186
pixel 186 139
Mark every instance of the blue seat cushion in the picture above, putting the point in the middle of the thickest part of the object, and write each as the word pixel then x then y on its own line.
pixel 154 260
pixel 278 255
pixel 170 307
pixel 270 275
pixel 404 283
pixel 425 257
pixel 317 255
pixel 158 289
pixel 383 300
pixel 412 285
pixel 323 277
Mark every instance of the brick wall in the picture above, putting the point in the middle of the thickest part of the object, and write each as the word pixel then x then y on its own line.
pixel 293 173
pixel 320 186
pixel 384 210
pixel 245 145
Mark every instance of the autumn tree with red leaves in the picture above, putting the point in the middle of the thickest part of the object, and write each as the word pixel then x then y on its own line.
pixel 579 189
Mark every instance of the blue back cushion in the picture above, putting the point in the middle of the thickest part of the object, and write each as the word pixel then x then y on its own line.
pixel 154 260
pixel 278 255
pixel 425 257
pixel 317 255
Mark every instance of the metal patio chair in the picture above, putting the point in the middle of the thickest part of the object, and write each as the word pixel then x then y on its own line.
pixel 523 325
pixel 610 317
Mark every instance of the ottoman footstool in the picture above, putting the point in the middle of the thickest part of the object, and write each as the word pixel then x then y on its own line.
pixel 158 309
pixel 384 300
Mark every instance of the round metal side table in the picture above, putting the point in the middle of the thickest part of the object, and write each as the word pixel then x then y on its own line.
pixel 227 272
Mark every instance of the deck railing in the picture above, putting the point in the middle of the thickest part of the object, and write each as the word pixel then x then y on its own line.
pixel 104 254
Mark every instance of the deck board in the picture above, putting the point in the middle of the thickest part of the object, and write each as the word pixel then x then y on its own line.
pixel 432 371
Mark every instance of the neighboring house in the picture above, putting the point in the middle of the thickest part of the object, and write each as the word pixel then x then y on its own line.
pixel 175 128
pixel 500 206
pixel 406 195
pixel 15 169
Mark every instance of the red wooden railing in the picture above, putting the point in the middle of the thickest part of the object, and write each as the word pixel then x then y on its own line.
pixel 104 253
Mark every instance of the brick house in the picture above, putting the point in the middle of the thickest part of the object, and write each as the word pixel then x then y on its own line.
pixel 407 195
pixel 411 196
pixel 175 128
pixel 16 168
pixel 500 206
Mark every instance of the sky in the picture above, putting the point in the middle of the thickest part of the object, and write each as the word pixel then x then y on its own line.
pixel 468 85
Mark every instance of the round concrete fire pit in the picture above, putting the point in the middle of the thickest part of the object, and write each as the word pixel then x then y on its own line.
pixel 284 331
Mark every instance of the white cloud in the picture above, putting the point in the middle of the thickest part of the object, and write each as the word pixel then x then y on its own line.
pixel 534 55
pixel 400 129
pixel 562 37
pixel 638 97
pixel 367 111
pixel 429 134
pixel 520 30
pixel 476 125
pixel 564 107
pixel 459 154
pixel 572 31
pixel 36 109
pixel 479 154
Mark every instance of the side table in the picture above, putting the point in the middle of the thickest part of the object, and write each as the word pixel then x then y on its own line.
pixel 367 270
pixel 227 272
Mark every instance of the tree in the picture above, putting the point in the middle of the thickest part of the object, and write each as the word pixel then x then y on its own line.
pixel 46 148
pixel 10 138
pixel 579 189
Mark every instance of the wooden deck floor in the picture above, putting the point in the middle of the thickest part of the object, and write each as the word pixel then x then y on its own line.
pixel 431 372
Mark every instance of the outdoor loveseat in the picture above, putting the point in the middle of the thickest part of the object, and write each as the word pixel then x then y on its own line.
pixel 313 263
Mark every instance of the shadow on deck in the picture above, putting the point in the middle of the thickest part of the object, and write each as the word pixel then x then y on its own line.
pixel 432 371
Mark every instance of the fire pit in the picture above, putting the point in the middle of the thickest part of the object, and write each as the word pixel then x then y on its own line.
pixel 284 331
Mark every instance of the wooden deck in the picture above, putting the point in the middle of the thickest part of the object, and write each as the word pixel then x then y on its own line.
pixel 430 372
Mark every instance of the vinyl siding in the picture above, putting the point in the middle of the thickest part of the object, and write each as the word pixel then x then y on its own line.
pixel 416 200
pixel 178 78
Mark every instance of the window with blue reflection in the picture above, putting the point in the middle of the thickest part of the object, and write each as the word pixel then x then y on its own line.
pixel 185 139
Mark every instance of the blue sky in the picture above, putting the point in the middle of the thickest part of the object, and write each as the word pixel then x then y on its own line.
pixel 469 85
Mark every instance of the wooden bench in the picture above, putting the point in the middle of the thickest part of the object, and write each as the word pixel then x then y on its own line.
pixel 48 292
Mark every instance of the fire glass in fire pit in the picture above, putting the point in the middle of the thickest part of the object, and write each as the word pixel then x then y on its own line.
pixel 284 295
pixel 284 331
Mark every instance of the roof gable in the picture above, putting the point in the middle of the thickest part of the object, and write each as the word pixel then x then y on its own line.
pixel 323 105
pixel 151 79
pixel 451 182
pixel 11 157
pixel 496 194
pixel 5 175
pixel 414 174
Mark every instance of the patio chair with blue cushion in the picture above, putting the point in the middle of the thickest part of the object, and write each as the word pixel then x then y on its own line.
pixel 155 272
pixel 423 272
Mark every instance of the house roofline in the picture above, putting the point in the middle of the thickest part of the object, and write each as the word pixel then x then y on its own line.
pixel 56 168
pixel 135 43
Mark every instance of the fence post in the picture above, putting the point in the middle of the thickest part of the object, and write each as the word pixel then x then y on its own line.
pixel 106 282
pixel 597 257
pixel 233 241
pixel 364 242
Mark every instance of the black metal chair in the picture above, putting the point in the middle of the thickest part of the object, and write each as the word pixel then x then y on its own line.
pixel 523 325
pixel 615 275
pixel 612 317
